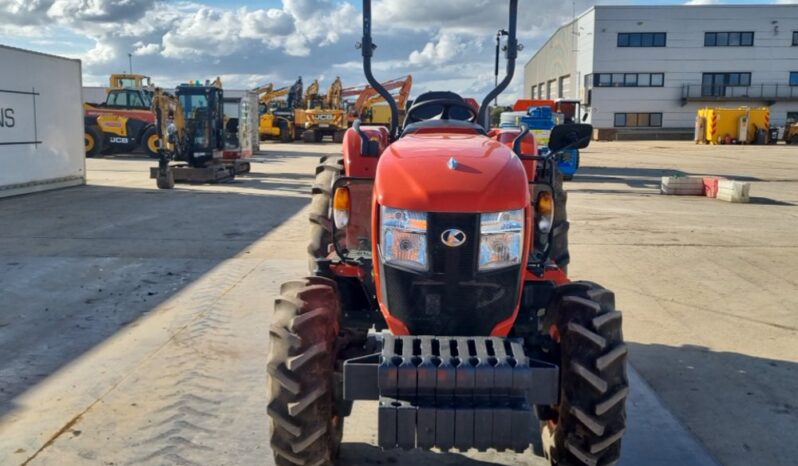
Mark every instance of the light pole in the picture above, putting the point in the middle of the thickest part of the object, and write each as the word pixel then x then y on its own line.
pixel 130 61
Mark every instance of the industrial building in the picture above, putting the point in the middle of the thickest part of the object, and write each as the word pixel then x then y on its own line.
pixel 648 69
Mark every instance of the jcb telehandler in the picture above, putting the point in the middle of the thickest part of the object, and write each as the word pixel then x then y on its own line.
pixel 123 123
pixel 433 292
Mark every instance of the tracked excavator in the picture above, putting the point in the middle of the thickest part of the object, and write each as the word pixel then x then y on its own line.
pixel 190 128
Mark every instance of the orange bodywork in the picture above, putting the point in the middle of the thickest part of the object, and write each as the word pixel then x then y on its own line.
pixel 412 173
pixel 522 105
pixel 144 115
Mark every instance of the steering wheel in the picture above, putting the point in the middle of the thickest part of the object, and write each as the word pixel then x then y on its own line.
pixel 440 109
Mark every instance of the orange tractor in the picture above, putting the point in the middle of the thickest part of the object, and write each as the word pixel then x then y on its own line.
pixel 433 292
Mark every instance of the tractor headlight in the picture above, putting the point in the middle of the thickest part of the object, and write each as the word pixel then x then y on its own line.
pixel 404 237
pixel 501 239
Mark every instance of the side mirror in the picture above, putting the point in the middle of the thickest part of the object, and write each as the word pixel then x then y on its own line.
pixel 571 136
pixel 584 117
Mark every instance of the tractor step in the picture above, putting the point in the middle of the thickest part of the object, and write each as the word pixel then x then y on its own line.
pixel 453 392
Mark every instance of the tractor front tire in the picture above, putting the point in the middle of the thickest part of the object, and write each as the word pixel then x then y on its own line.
pixel 328 170
pixel 306 429
pixel 309 136
pixel 587 426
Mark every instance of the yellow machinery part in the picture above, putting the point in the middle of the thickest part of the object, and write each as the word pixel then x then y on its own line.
pixel 332 118
pixel 267 126
pixel 720 122
pixel 152 143
pixel 113 124
pixel 88 142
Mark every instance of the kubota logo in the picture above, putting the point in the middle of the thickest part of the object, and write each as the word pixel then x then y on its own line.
pixel 453 237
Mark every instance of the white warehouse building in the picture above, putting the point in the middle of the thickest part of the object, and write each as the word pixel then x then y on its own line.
pixel 648 69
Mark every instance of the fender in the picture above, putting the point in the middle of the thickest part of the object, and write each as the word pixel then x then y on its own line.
pixel 359 165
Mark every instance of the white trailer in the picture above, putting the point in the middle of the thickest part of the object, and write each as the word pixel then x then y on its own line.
pixel 41 122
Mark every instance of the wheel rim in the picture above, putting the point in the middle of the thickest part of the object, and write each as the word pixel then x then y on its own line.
pixel 152 143
pixel 88 142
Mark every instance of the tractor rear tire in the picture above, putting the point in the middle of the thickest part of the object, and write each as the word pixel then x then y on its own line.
pixel 559 245
pixel 92 141
pixel 328 170
pixel 587 426
pixel 793 139
pixel 306 429
pixel 149 142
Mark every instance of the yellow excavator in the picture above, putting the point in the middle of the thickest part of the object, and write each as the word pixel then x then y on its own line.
pixel 324 115
pixel 277 115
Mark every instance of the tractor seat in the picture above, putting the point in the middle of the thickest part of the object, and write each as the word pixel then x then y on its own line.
pixel 440 109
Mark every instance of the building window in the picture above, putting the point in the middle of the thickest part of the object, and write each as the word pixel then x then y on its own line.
pixel 728 39
pixel 550 88
pixel 795 38
pixel 563 86
pixel 638 120
pixel 793 78
pixel 629 79
pixel 642 39
pixel 540 90
pixel 715 84
pixel 532 94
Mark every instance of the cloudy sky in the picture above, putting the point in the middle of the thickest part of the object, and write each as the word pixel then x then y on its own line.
pixel 445 44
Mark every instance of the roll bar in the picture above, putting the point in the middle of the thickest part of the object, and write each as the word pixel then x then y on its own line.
pixel 367 47
pixel 512 54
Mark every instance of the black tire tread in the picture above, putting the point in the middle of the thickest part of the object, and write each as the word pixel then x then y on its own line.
pixel 329 168
pixel 304 329
pixel 594 383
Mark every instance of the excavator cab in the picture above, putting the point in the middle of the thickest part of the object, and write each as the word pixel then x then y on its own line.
pixel 203 112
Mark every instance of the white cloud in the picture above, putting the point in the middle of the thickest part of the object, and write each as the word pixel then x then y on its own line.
pixel 445 44
pixel 146 49
pixel 445 50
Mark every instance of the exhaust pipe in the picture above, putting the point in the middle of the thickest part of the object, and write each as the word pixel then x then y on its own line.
pixel 512 54
pixel 367 47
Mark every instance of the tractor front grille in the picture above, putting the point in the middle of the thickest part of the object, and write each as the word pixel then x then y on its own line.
pixel 453 297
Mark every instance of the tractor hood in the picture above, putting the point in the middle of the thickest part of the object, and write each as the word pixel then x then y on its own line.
pixel 450 172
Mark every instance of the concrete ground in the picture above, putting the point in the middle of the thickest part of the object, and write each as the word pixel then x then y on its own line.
pixel 133 322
